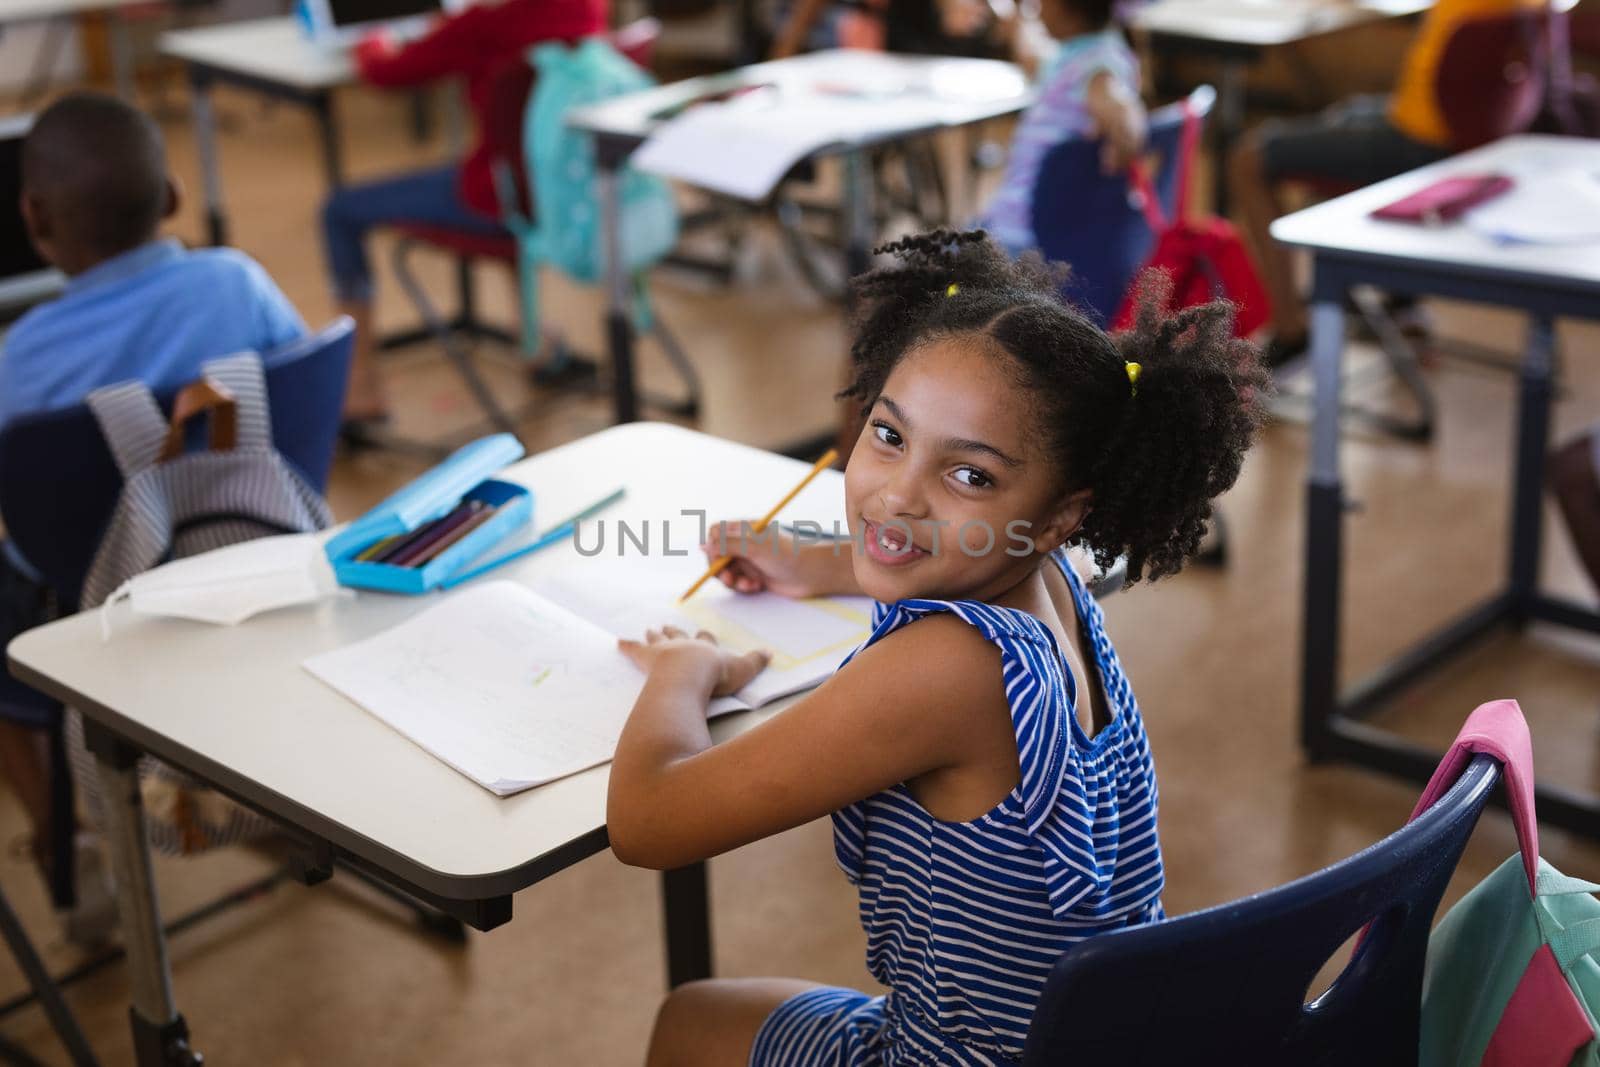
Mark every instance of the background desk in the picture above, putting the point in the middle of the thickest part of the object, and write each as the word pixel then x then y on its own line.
pixel 269 56
pixel 14 12
pixel 233 706
pixel 1349 248
pixel 621 125
pixel 1237 32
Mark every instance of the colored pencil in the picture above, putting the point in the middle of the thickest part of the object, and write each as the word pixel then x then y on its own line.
pixel 377 547
pixel 420 548
pixel 556 533
pixel 388 555
pixel 453 537
pixel 722 561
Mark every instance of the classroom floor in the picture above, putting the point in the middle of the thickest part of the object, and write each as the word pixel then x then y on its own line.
pixel 333 975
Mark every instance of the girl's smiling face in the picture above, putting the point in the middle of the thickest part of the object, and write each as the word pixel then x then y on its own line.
pixel 951 494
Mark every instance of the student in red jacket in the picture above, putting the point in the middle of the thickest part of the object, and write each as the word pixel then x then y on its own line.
pixel 480 44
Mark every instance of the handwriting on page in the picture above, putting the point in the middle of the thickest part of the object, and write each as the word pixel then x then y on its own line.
pixel 506 687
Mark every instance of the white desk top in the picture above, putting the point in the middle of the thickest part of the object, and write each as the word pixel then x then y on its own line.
pixel 1344 225
pixel 275 50
pixel 235 704
pixel 30 10
pixel 1264 23
pixel 965 90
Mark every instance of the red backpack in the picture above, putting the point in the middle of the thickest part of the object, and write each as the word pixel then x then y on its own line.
pixel 1204 257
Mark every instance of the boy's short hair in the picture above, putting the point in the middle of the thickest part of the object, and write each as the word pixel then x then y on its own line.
pixel 100 166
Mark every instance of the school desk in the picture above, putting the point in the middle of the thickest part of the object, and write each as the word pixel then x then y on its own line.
pixel 276 58
pixel 1349 248
pixel 622 124
pixel 56 12
pixel 232 706
pixel 1236 33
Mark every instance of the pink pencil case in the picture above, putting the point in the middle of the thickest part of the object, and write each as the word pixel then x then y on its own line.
pixel 1445 200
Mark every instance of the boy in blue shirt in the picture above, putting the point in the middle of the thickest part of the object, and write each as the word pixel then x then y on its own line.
pixel 95 190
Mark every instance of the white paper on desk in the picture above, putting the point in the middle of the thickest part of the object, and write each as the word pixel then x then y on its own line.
pixel 745 146
pixel 1548 207
pixel 513 690
pixel 628 594
pixel 504 686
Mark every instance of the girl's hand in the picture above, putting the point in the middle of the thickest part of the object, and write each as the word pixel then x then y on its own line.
pixel 771 561
pixel 732 671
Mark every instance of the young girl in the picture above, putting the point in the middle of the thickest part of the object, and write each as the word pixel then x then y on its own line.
pixel 982 756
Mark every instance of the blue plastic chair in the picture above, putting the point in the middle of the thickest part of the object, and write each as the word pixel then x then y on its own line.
pixel 58 532
pixel 1230 984
pixel 1093 221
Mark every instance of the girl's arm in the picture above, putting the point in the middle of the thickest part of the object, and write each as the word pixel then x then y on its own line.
pixel 1119 119
pixel 911 704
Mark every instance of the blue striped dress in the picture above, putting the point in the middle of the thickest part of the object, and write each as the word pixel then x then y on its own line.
pixel 964 920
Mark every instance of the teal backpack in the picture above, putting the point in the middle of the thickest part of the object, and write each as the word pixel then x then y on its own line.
pixel 566 232
pixel 561 164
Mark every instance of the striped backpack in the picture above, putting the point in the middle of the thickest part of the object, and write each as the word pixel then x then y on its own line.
pixel 178 503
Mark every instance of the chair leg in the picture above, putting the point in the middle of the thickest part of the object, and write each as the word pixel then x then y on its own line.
pixel 63 823
pixel 1402 359
pixel 61 1017
pixel 459 356
pixel 649 322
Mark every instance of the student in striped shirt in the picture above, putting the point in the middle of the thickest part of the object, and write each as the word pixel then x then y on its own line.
pixel 982 755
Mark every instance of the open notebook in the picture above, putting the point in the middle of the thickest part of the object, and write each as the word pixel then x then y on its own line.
pixel 513 690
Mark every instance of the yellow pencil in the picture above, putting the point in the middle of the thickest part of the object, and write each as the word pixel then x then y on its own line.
pixel 722 561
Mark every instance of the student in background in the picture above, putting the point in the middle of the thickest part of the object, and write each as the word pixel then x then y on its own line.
pixel 1088 89
pixel 1354 143
pixel 95 189
pixel 484 43
pixel 983 757
pixel 915 27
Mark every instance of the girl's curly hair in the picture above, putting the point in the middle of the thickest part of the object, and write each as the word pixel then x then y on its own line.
pixel 1153 457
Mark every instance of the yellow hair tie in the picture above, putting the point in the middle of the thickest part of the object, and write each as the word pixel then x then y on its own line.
pixel 1133 370
pixel 952 289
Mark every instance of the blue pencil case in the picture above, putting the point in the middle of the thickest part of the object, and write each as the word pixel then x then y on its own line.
pixel 461 479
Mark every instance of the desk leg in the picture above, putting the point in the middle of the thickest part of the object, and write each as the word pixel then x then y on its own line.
pixel 619 330
pixel 328 130
pixel 1230 121
pixel 686 895
pixel 205 140
pixel 121 55
pixel 858 212
pixel 1527 478
pixel 160 1036
pixel 1319 677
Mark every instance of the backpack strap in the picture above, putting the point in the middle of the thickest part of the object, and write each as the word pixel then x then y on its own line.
pixel 243 377
pixel 1188 146
pixel 1139 175
pixel 132 424
pixel 1496 729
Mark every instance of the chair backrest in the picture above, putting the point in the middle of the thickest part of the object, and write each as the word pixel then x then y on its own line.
pixel 1093 222
pixel 59 484
pixel 1230 984
pixel 511 85
pixel 1492 77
